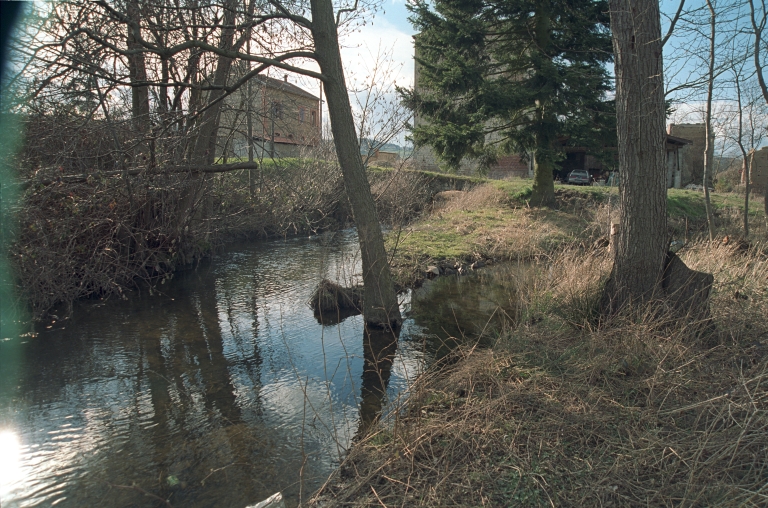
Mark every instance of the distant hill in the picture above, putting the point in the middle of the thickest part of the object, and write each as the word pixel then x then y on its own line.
pixel 366 143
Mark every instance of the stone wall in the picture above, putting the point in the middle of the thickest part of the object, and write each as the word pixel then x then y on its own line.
pixel 508 166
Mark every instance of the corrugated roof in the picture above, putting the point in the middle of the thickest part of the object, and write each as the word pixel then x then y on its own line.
pixel 284 86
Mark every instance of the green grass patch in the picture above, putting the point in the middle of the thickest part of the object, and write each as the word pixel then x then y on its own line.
pixel 685 203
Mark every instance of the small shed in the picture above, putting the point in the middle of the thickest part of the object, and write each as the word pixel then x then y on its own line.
pixel 675 160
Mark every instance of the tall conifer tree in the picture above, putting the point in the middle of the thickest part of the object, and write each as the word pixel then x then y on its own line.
pixel 511 76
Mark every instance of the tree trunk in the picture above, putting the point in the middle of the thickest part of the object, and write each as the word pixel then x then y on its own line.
pixel 745 162
pixel 745 167
pixel 137 73
pixel 249 123
pixel 641 240
pixel 543 193
pixel 709 148
pixel 757 30
pixel 205 147
pixel 543 182
pixel 380 307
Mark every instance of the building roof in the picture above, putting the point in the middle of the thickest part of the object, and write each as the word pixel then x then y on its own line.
pixel 674 140
pixel 284 86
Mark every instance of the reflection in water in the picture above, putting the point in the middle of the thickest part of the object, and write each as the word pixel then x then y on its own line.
pixel 379 348
pixel 218 392
pixel 452 310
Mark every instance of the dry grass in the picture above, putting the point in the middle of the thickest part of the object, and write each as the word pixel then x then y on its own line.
pixel 643 412
pixel 487 222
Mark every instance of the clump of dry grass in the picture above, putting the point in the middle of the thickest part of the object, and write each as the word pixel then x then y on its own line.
pixel 473 199
pixel 644 412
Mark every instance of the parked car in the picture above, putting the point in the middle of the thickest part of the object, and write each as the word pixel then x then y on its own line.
pixel 578 177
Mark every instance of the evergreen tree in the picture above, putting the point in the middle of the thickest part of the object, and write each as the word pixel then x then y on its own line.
pixel 511 76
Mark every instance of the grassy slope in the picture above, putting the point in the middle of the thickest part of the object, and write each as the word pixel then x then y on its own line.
pixel 642 412
pixel 494 221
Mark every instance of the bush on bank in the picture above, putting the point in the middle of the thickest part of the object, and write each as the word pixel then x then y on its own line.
pixel 105 235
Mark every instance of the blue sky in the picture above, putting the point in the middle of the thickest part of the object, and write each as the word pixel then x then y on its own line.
pixel 392 28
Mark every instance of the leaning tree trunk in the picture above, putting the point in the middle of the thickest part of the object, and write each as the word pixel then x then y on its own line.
pixel 380 306
pixel 204 147
pixel 757 31
pixel 641 242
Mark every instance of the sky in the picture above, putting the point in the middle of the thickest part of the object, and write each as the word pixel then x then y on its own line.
pixel 390 30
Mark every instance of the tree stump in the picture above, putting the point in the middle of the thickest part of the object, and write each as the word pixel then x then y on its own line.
pixel 331 297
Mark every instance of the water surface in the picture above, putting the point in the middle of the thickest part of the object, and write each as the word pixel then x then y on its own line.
pixel 221 388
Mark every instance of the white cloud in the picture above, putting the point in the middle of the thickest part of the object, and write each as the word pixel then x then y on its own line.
pixel 359 49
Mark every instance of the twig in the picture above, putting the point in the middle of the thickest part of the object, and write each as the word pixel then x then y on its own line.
pixel 378 498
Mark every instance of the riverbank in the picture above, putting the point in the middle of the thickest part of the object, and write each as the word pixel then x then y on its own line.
pixel 492 222
pixel 644 411
pixel 105 235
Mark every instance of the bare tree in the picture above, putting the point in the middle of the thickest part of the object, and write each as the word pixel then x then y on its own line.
pixel 380 301
pixel 380 115
pixel 643 270
pixel 746 125
pixel 709 142
pixel 176 60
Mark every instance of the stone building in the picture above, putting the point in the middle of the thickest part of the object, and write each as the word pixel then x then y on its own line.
pixel 675 153
pixel 381 157
pixel 285 120
pixel 691 158
pixel 759 170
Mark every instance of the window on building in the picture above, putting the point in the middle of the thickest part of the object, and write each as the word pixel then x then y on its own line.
pixel 301 115
pixel 314 118
pixel 277 110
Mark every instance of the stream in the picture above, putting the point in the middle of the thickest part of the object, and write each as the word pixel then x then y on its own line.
pixel 222 387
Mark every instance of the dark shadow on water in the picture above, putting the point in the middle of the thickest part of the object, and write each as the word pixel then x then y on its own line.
pixel 334 318
pixel 379 349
